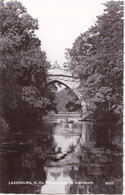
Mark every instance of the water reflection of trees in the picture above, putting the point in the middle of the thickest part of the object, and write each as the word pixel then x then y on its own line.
pixel 96 155
pixel 98 173
pixel 100 161
pixel 22 167
pixel 24 159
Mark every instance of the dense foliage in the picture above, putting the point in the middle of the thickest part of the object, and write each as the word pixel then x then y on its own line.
pixel 97 57
pixel 67 101
pixel 23 66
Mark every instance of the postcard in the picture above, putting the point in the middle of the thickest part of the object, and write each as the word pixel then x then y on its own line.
pixel 61 97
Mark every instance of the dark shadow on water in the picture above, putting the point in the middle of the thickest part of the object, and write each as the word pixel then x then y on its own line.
pixel 79 158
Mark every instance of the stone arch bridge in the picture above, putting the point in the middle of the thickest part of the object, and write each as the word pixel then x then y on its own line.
pixel 65 77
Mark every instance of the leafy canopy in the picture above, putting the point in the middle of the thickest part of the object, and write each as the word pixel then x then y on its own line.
pixel 97 58
pixel 23 64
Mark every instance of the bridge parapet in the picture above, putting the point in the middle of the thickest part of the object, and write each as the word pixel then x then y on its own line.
pixel 65 77
pixel 59 72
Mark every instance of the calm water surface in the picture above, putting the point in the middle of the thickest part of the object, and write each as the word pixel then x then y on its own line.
pixel 54 157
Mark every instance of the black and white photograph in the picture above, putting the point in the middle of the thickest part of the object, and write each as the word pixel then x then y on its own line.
pixel 61 97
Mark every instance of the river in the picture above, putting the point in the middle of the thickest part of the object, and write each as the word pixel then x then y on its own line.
pixel 54 157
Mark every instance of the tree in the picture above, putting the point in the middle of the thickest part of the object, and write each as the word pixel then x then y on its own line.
pixel 97 57
pixel 23 65
pixel 66 100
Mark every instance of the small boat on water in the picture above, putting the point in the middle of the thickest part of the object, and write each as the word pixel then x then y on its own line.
pixel 81 120
pixel 85 119
pixel 66 120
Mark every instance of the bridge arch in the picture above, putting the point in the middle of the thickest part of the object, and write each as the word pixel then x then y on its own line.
pixel 65 84
pixel 65 77
pixel 57 81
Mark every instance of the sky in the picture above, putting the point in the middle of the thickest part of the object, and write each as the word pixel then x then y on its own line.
pixel 61 22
